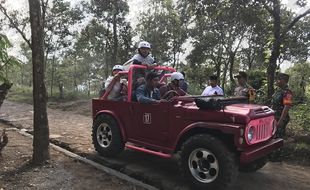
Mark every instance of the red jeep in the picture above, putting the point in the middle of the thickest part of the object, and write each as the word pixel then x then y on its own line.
pixel 213 142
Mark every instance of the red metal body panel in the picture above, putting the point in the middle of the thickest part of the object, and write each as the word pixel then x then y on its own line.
pixel 260 150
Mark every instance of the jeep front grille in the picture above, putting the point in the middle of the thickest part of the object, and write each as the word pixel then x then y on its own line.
pixel 259 130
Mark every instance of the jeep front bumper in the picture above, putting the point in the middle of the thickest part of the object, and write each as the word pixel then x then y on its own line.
pixel 252 154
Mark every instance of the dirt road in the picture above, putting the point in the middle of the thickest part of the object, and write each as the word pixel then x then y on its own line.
pixel 73 131
pixel 61 172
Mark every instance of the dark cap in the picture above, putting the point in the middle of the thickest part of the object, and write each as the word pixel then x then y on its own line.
pixel 282 76
pixel 241 74
pixel 212 77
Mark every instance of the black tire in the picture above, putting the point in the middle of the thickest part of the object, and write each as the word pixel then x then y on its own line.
pixel 106 136
pixel 216 166
pixel 255 165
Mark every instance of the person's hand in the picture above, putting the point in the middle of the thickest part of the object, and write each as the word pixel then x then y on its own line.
pixel 123 81
pixel 161 100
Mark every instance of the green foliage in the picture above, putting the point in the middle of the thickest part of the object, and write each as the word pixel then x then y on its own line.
pixel 22 94
pixel 7 61
pixel 299 80
pixel 257 78
pixel 162 26
pixel 301 117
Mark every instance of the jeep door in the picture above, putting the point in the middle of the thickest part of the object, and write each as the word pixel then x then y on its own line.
pixel 152 121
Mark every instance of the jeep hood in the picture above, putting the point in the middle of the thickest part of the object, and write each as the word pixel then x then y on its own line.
pixel 235 113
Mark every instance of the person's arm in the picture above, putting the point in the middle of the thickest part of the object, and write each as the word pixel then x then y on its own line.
pixel 108 81
pixel 220 92
pixel 287 102
pixel 136 62
pixel 163 90
pixel 140 93
pixel 283 114
pixel 181 92
pixel 204 93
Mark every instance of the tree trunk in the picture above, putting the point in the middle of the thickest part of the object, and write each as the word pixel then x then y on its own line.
pixel 224 76
pixel 61 90
pixel 4 88
pixel 275 49
pixel 106 70
pixel 53 73
pixel 115 40
pixel 231 60
pixel 40 121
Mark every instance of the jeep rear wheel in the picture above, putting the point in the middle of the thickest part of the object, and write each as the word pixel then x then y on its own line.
pixel 207 163
pixel 106 136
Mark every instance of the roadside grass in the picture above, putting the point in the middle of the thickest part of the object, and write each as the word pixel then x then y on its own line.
pixel 24 94
pixel 21 94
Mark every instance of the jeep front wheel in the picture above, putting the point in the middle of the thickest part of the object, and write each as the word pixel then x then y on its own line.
pixel 106 136
pixel 208 163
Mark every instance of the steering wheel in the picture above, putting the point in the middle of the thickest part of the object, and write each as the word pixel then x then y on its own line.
pixel 170 94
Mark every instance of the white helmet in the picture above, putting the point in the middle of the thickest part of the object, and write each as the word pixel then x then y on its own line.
pixel 118 67
pixel 144 44
pixel 177 76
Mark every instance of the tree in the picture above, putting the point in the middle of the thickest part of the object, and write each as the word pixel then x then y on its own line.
pixel 40 122
pixel 299 80
pixel 60 17
pixel 161 25
pixel 218 29
pixel 6 62
pixel 280 32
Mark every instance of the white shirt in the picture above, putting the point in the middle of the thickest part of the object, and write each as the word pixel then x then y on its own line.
pixel 116 90
pixel 211 91
pixel 147 60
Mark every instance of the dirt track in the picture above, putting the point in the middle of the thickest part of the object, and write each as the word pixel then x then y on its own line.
pixel 73 131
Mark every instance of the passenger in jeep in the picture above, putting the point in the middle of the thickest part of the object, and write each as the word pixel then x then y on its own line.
pixel 173 88
pixel 119 89
pixel 148 93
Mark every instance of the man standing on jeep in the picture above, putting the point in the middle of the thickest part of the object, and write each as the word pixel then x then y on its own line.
pixel 281 103
pixel 143 57
pixel 244 89
pixel 148 93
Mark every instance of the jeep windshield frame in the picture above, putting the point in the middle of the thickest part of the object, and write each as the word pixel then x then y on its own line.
pixel 130 79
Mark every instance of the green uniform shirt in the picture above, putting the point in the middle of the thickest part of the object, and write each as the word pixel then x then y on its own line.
pixel 281 97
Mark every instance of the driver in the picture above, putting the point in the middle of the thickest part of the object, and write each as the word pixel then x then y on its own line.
pixel 148 93
pixel 173 86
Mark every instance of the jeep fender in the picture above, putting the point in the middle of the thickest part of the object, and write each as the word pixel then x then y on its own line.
pixel 120 124
pixel 221 127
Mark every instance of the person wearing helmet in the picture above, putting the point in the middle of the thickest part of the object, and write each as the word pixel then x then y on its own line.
pixel 173 88
pixel 119 87
pixel 143 57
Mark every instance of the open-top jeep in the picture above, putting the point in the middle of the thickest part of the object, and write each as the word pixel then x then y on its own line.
pixel 213 142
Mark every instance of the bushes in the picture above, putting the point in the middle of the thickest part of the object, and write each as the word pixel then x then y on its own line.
pixel 301 117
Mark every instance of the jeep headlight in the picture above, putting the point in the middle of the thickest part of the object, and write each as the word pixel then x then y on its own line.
pixel 250 134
